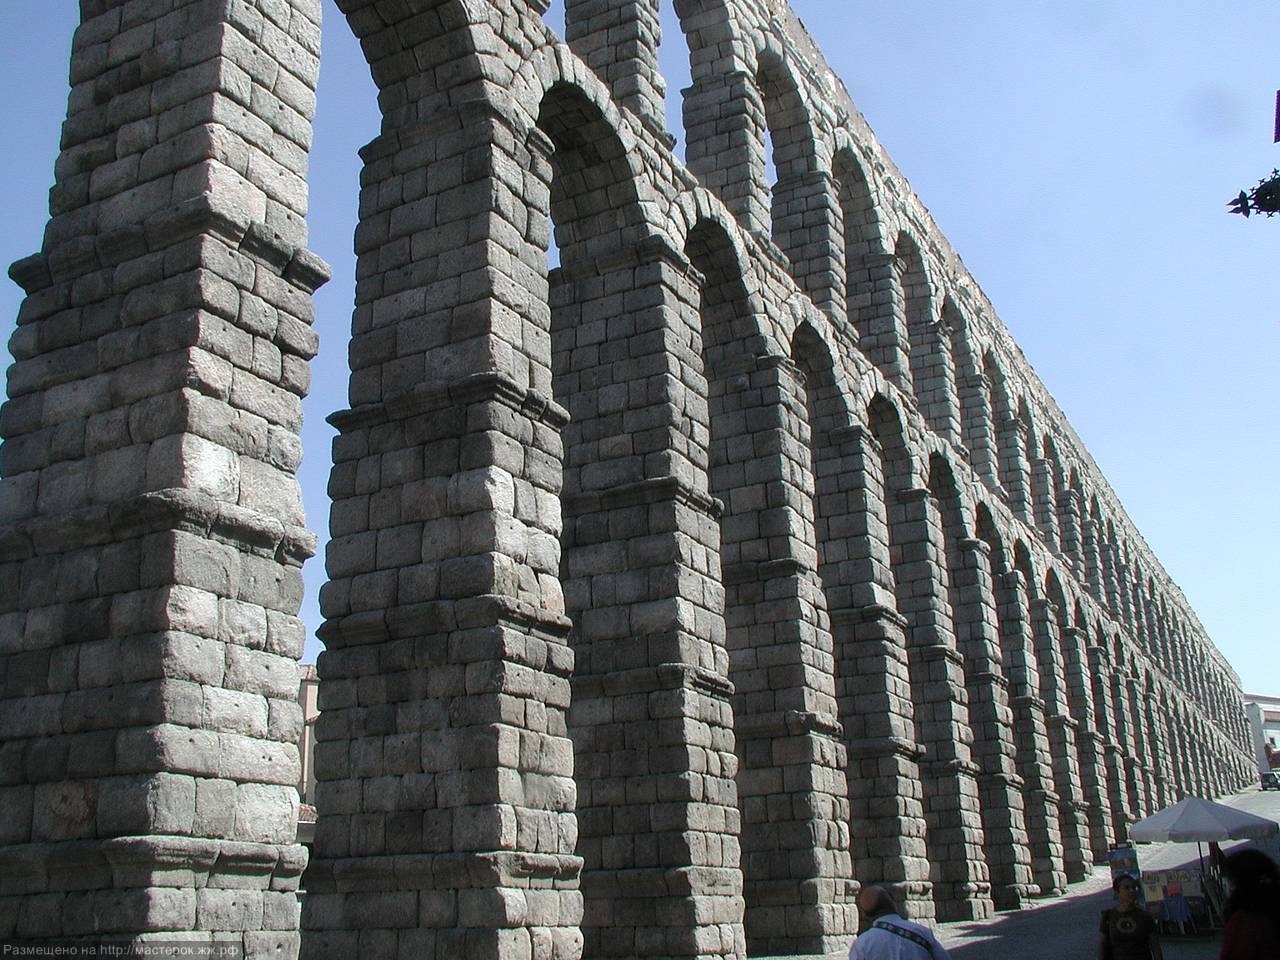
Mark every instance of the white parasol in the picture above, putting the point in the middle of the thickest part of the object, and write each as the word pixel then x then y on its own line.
pixel 1194 819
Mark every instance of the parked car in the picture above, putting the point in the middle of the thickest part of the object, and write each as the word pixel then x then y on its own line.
pixel 1270 781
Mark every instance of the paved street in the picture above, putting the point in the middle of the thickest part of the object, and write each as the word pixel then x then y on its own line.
pixel 1066 928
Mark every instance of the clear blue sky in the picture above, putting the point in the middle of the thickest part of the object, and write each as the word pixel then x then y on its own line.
pixel 1078 154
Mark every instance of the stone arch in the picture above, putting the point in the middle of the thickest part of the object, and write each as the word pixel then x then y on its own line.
pixel 887 425
pixel 887 473
pixel 974 394
pixel 935 670
pixel 1137 620
pixel 1180 638
pixel 867 263
pixel 1131 736
pixel 941 404
pixel 607 252
pixel 1055 635
pixel 781 658
pixel 1005 428
pixel 722 109
pixel 595 196
pixel 1070 510
pixel 451 358
pixel 1094 547
pixel 404 68
pixel 786 115
pixel 1091 731
pixel 1102 670
pixel 1143 773
pixel 968 595
pixel 1052 498
pixel 1020 450
pixel 805 214
pixel 1157 627
pixel 929 375
pixel 699 208
pixel 619 42
pixel 1157 738
pixel 1115 551
pixel 828 390
pixel 864 230
pixel 1010 568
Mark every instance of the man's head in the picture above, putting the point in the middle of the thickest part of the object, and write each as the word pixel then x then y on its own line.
pixel 875 902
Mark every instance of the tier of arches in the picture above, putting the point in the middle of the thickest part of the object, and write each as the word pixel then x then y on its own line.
pixel 664 599
pixel 948 367
pixel 836 216
pixel 858 613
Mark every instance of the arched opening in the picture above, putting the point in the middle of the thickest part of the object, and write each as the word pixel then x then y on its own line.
pixel 1046 483
pixel 1018 479
pixel 928 362
pixel 619 563
pixel 864 257
pixel 961 885
pixel 1004 428
pixel 942 382
pixel 1101 670
pixel 1004 855
pixel 1054 633
pixel 1011 574
pixel 804 217
pixel 788 143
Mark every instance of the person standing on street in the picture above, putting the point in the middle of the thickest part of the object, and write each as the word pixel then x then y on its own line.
pixel 1127 931
pixel 889 937
pixel 1253 908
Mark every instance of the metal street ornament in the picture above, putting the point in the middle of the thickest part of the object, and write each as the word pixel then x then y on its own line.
pixel 1264 198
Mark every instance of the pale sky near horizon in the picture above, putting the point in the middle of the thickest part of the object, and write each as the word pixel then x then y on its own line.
pixel 1078 155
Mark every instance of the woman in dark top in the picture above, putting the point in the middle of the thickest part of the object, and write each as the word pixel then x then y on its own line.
pixel 1127 932
pixel 1253 909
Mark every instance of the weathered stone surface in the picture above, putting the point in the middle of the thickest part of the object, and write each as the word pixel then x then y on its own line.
pixel 674 591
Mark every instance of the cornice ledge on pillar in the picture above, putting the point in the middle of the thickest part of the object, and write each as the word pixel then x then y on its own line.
pixel 1027 700
pixel 753 571
pixel 868 613
pixel 885 747
pixel 416 620
pixel 1012 780
pixel 953 766
pixel 651 248
pixel 174 508
pixel 496 385
pixel 646 491
pixel 1062 720
pixel 992 677
pixel 858 434
pixel 932 652
pixel 787 723
pixel 650 679
pixel 484 869
pixel 211 213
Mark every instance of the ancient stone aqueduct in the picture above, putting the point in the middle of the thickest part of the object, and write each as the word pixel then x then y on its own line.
pixel 672 592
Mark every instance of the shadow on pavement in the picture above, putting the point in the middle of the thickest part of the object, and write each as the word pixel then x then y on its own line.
pixel 1064 928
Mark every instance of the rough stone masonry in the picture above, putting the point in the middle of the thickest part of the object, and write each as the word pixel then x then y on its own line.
pixel 672 591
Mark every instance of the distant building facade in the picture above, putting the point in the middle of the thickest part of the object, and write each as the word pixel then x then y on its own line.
pixel 1264 728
